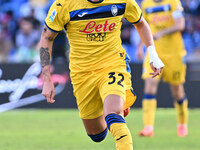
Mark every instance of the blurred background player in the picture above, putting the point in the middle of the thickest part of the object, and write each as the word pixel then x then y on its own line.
pixel 166 21
pixel 98 64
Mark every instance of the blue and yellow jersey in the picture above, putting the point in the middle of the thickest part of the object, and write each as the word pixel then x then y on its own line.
pixel 160 14
pixel 93 29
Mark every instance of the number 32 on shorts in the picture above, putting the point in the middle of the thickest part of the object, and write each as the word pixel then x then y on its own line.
pixel 113 75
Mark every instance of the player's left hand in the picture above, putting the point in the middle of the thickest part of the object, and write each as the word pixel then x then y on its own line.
pixel 155 62
pixel 156 71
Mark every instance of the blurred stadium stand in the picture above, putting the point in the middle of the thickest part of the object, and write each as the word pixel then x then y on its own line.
pixel 25 18
pixel 21 23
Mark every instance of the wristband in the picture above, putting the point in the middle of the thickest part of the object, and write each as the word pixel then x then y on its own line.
pixel 153 56
pixel 152 53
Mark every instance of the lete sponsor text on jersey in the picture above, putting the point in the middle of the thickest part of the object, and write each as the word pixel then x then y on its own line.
pixel 92 26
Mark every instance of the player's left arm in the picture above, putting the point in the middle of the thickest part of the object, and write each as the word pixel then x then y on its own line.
pixel 179 24
pixel 146 36
pixel 133 14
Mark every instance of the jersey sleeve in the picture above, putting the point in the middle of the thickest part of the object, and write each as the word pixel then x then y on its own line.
pixel 57 17
pixel 133 13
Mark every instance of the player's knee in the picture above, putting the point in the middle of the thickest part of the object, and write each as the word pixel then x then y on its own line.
pixel 178 97
pixel 178 94
pixel 151 86
pixel 177 91
pixel 99 137
pixel 180 101
pixel 149 90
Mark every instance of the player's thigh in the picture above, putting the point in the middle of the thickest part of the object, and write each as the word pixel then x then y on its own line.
pixel 113 89
pixel 113 104
pixel 174 71
pixel 177 91
pixel 87 95
pixel 113 82
pixel 95 126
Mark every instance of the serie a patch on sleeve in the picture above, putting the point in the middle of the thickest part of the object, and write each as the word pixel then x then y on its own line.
pixel 53 15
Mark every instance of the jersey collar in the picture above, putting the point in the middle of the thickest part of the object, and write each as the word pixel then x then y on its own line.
pixel 157 1
pixel 95 2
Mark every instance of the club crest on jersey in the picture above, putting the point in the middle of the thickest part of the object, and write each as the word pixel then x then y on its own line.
pixel 114 10
pixel 53 15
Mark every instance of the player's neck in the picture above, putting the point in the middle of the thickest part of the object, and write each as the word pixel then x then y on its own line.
pixel 157 1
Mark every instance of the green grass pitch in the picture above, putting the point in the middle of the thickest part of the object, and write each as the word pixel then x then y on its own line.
pixel 63 130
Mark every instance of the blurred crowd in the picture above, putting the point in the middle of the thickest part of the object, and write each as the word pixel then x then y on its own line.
pixel 21 23
pixel 191 34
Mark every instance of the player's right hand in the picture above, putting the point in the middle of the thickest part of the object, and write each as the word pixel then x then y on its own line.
pixel 49 91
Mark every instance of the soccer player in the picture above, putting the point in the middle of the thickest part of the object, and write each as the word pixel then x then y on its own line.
pixel 166 21
pixel 98 64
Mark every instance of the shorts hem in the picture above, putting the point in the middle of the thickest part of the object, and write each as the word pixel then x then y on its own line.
pixel 174 83
pixel 148 76
pixel 91 116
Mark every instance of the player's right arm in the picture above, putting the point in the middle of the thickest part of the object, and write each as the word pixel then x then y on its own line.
pixel 57 17
pixel 46 43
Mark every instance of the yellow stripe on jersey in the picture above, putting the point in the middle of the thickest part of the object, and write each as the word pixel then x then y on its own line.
pixel 93 29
